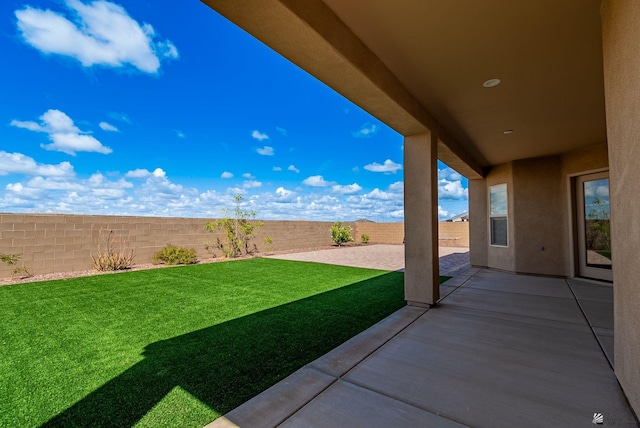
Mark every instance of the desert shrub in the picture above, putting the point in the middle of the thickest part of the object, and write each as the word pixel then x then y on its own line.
pixel 268 242
pixel 174 255
pixel 11 260
pixel 239 230
pixel 340 234
pixel 113 253
pixel 364 238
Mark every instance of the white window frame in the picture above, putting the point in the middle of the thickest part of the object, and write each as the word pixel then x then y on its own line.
pixel 498 215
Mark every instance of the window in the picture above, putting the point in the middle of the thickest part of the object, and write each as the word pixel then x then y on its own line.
pixel 498 209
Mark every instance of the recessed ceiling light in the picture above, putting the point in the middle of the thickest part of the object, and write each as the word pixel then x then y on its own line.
pixel 508 131
pixel 491 83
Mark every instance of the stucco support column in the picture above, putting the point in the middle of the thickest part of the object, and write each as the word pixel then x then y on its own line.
pixel 620 41
pixel 422 277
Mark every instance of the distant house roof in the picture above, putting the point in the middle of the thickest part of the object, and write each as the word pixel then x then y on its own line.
pixel 460 217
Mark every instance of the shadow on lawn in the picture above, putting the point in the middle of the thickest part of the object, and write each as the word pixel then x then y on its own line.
pixel 227 364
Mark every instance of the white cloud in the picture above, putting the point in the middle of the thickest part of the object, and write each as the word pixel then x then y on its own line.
pixel 594 189
pixel 159 187
pixel 98 33
pixel 236 190
pixel 99 180
pixel 398 186
pixel 452 190
pixel 151 192
pixel 348 189
pixel 138 173
pixel 316 181
pixel 449 174
pixel 388 167
pixel 380 195
pixel 54 184
pixel 65 136
pixel 284 193
pixel 251 184
pixel 145 173
pixel 159 172
pixel 108 127
pixel 265 151
pixel 366 130
pixel 21 195
pixel 276 168
pixel 259 135
pixel 281 131
pixel 31 126
pixel 180 134
pixel 293 168
pixel 226 174
pixel 248 176
pixel 602 191
pixel 17 163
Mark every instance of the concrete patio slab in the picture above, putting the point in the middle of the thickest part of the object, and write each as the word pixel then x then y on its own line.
pixel 277 403
pixel 598 291
pixel 552 287
pixel 536 306
pixel 599 315
pixel 497 381
pixel 500 350
pixel 347 405
pixel 349 354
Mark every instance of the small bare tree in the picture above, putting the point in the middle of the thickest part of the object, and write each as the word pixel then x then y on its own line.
pixel 238 228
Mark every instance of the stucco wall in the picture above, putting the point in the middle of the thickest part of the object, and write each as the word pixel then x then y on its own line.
pixel 503 258
pixel 478 238
pixel 621 38
pixel 540 212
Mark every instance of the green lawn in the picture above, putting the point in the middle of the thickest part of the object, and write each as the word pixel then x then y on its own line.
pixel 176 346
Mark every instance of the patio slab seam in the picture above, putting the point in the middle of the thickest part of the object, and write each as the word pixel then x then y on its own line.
pixel 397 399
pixel 343 377
pixel 456 287
pixel 592 328
pixel 523 319
pixel 258 411
pixel 363 336
pixel 314 365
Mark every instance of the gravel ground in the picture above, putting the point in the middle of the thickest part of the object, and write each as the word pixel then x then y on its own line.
pixel 391 257
pixel 142 266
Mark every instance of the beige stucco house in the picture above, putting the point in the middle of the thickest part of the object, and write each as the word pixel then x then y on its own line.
pixel 536 103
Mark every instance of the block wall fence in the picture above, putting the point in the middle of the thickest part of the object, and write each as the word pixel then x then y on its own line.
pixel 52 243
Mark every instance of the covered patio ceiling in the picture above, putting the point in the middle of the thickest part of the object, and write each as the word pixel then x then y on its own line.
pixel 420 65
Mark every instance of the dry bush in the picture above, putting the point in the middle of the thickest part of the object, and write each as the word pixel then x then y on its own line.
pixel 16 271
pixel 113 253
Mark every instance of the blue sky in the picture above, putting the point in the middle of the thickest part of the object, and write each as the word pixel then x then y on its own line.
pixel 148 108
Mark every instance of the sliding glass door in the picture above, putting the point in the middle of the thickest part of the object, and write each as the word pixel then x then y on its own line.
pixel 594 226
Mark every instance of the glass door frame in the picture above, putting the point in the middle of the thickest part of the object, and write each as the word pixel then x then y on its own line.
pixel 582 267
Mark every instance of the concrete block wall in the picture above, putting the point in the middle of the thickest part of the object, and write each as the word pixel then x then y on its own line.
pixel 380 233
pixel 453 234
pixel 450 234
pixel 52 243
